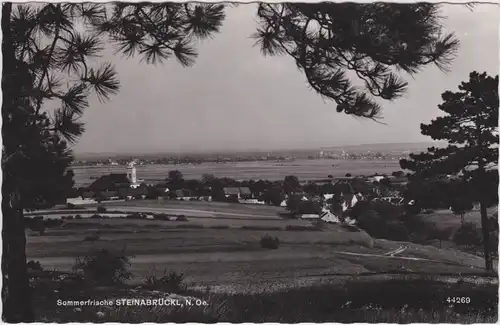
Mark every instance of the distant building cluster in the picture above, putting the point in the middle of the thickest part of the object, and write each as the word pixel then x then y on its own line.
pixel 329 200
pixel 222 159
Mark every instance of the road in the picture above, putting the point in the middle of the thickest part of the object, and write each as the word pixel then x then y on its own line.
pixel 188 212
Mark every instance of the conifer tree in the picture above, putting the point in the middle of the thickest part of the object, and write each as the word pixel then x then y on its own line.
pixel 49 54
pixel 470 126
pixel 374 41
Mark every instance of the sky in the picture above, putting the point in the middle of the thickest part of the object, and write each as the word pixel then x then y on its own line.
pixel 234 98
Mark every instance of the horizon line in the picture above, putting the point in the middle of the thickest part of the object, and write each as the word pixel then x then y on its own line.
pixel 247 150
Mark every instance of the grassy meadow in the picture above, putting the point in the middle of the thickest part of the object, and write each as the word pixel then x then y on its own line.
pixel 318 273
pixel 304 169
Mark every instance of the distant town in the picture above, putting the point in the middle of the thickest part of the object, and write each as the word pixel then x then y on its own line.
pixel 222 159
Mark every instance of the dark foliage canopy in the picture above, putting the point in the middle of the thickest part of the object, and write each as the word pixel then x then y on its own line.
pixel 52 53
pixel 375 42
pixel 470 125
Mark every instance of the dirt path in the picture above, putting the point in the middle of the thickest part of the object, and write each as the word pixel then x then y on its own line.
pixel 194 213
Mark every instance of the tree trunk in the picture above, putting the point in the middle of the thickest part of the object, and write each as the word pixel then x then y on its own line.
pixel 17 300
pixel 16 297
pixel 486 237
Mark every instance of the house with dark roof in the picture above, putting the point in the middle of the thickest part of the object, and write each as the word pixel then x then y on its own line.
pixel 108 196
pixel 131 193
pixel 237 192
pixel 110 182
pixel 184 194
pixel 87 195
pixel 230 191
pixel 245 192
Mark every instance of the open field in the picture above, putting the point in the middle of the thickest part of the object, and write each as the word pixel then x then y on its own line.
pixel 231 260
pixel 443 219
pixel 304 169
pixel 214 209
pixel 189 208
pixel 339 273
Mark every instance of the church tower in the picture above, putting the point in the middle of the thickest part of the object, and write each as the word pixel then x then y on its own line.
pixel 132 173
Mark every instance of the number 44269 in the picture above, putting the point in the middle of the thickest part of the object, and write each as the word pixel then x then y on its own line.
pixel 458 300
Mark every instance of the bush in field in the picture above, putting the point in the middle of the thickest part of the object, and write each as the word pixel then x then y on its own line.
pixel 101 209
pixel 396 231
pixel 371 222
pixel 50 223
pixel 96 216
pixel 92 238
pixel 468 235
pixel 34 265
pixel 103 267
pixel 181 218
pixel 440 234
pixel 136 215
pixel 172 282
pixel 78 216
pixel 232 199
pixel 300 228
pixel 269 242
pixel 161 216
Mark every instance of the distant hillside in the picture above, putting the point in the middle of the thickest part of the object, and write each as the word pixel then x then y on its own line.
pixel 374 147
pixel 388 147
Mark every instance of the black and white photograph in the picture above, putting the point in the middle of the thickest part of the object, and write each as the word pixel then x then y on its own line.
pixel 258 162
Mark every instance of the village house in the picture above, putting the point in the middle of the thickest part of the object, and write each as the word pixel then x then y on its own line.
pixel 185 195
pixel 110 182
pixel 237 193
pixel 87 197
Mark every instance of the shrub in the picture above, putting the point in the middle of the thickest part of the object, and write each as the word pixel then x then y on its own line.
pixel 103 267
pixel 92 238
pixel 161 216
pixel 232 199
pixel 371 222
pixel 468 235
pixel 269 242
pixel 49 223
pixel 136 215
pixel 301 228
pixel 181 218
pixel 396 231
pixel 101 209
pixel 172 282
pixel 96 216
pixel 78 216
pixel 34 265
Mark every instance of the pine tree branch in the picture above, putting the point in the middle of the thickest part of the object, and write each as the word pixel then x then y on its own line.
pixel 46 67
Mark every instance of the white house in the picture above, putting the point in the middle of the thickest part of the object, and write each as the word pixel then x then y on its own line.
pixel 350 200
pixel 376 178
pixel 327 197
pixel 80 201
pixel 309 216
pixel 329 217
